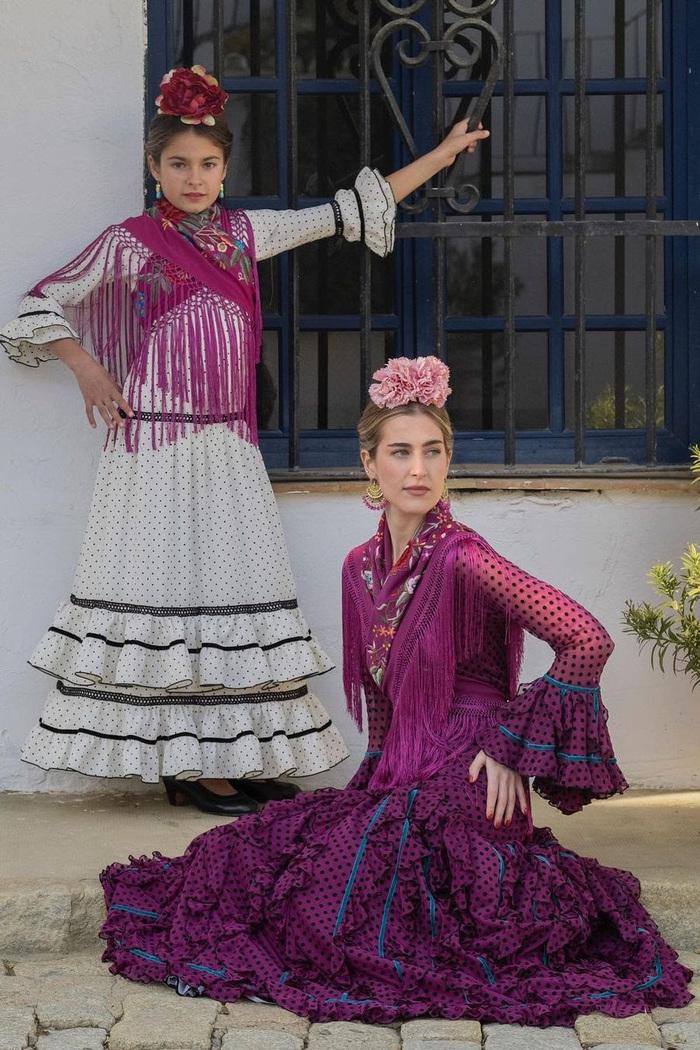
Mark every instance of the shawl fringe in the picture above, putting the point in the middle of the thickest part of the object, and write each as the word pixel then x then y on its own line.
pixel 442 627
pixel 145 322
pixel 354 631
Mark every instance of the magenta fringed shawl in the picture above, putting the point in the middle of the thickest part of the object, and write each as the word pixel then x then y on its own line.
pixel 432 607
pixel 146 319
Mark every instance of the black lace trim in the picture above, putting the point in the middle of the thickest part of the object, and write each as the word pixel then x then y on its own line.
pixel 176 736
pixel 185 610
pixel 35 313
pixel 199 699
pixel 181 641
pixel 180 417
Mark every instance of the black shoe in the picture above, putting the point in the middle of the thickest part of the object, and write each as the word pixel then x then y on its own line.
pixel 180 792
pixel 265 790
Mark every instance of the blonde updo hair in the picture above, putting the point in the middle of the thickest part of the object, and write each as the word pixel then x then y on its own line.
pixel 373 418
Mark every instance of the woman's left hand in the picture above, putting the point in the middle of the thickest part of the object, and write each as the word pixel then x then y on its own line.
pixel 504 788
pixel 458 140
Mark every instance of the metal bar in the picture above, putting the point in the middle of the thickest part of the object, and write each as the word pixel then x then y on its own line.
pixel 256 140
pixel 508 246
pixel 650 247
pixel 322 380
pixel 552 228
pixel 439 249
pixel 488 306
pixel 620 378
pixel 187 32
pixel 293 197
pixel 553 208
pixel 542 323
pixel 365 157
pixel 321 248
pixel 580 128
pixel 565 86
pixel 255 38
pixel 218 39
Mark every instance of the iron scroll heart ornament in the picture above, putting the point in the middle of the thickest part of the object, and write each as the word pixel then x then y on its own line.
pixel 463 52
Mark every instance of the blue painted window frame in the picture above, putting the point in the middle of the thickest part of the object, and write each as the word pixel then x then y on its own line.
pixel 413 318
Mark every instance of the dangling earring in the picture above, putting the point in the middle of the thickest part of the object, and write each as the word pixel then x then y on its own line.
pixel 158 192
pixel 445 493
pixel 374 497
pixel 221 192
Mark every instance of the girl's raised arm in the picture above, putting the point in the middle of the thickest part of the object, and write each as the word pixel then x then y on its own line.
pixel 367 212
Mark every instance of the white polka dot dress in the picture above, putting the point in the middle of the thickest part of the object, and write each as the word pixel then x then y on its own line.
pixel 181 650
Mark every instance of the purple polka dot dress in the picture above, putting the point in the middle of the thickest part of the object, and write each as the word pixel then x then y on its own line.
pixel 396 898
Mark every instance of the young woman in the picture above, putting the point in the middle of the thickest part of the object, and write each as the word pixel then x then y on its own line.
pixel 423 887
pixel 182 652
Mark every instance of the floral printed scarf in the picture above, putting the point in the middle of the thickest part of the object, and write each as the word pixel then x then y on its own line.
pixel 392 586
pixel 206 231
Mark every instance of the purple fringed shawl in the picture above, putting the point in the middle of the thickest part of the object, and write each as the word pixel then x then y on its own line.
pixel 406 629
pixel 178 331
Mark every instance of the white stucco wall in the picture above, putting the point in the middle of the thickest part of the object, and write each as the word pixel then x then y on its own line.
pixel 71 165
pixel 71 80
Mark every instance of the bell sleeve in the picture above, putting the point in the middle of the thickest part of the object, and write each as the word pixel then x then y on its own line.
pixel 366 213
pixel 54 308
pixel 555 728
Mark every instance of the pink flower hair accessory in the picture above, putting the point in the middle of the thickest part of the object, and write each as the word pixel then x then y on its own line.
pixel 193 95
pixel 406 379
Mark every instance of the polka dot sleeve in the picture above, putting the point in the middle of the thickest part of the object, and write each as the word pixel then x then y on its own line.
pixel 367 212
pixel 554 728
pixel 42 318
pixel 39 321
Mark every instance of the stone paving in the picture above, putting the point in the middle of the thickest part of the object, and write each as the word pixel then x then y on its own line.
pixel 72 1002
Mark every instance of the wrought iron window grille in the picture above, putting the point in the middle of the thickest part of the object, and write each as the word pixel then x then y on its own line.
pixel 422 65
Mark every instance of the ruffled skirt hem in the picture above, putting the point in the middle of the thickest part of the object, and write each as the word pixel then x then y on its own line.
pixel 360 906
pixel 287 732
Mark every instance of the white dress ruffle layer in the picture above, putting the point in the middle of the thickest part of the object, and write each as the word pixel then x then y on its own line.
pixel 182 650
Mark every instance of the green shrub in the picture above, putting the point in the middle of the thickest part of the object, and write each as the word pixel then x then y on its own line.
pixel 671 626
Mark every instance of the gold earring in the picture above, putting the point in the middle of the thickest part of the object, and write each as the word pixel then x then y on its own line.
pixel 159 193
pixel 445 493
pixel 374 497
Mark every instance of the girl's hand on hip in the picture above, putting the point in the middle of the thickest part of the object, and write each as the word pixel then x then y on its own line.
pixel 504 788
pixel 96 385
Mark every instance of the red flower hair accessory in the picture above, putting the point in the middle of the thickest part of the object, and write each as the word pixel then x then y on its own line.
pixel 405 379
pixel 193 95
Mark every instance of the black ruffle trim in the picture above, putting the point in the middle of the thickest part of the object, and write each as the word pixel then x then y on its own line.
pixel 200 739
pixel 200 699
pixel 184 610
pixel 181 641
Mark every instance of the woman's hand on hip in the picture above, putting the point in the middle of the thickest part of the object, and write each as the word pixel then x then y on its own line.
pixel 505 787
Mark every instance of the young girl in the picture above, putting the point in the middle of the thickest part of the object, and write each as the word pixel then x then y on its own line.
pixel 181 651
pixel 423 887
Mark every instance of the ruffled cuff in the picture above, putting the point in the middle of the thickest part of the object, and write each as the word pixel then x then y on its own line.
pixel 368 212
pixel 40 321
pixel 557 733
